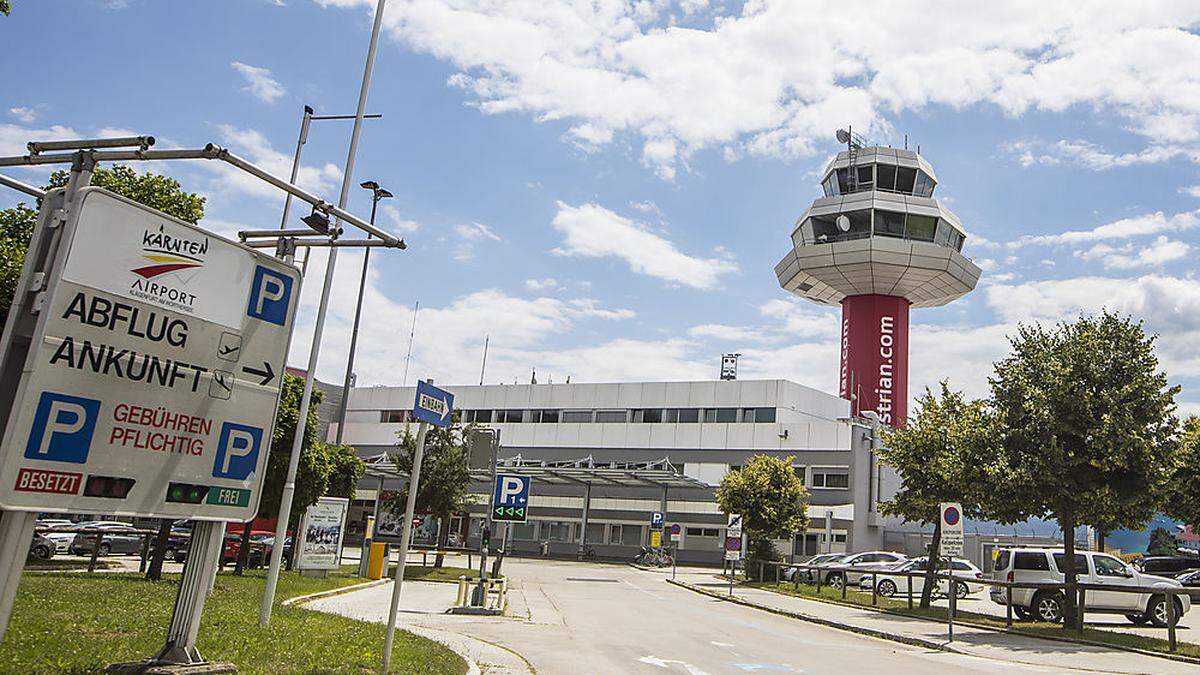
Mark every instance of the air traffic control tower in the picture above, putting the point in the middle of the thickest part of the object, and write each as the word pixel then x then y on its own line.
pixel 877 243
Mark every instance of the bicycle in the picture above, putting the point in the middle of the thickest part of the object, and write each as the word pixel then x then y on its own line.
pixel 586 553
pixel 653 558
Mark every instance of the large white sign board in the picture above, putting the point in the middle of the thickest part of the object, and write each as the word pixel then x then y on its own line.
pixel 952 530
pixel 151 383
pixel 321 534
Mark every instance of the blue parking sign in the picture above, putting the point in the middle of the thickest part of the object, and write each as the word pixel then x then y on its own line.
pixel 270 293
pixel 510 498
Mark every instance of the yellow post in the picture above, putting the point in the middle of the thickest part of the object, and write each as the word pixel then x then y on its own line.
pixel 378 561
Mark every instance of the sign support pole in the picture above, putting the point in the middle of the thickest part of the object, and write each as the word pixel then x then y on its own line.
pixel 16 532
pixel 199 572
pixel 410 507
pixel 289 486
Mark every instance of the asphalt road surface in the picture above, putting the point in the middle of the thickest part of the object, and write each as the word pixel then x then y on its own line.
pixel 586 618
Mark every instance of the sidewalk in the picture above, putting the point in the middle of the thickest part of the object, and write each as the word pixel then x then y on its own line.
pixel 968 640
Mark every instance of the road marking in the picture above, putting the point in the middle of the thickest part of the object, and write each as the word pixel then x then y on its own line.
pixel 652 594
pixel 666 663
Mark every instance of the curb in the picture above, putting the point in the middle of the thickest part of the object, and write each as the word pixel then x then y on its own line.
pixel 301 599
pixel 920 642
pixel 892 637
pixel 472 666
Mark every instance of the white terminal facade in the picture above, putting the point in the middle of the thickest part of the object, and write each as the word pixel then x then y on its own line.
pixel 703 428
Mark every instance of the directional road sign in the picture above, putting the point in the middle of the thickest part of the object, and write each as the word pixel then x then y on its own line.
pixel 150 378
pixel 433 405
pixel 510 500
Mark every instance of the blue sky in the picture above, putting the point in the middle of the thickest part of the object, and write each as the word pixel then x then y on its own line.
pixel 603 189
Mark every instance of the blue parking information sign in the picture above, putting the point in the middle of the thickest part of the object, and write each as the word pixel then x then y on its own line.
pixel 510 499
pixel 433 405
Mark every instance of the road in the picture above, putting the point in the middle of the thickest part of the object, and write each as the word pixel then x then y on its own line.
pixel 587 618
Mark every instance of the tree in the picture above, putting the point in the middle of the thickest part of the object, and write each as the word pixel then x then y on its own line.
pixel 772 501
pixel 157 192
pixel 345 470
pixel 1161 543
pixel 445 476
pixel 5 7
pixel 938 454
pixel 1086 429
pixel 1183 496
pixel 312 473
pixel 16 228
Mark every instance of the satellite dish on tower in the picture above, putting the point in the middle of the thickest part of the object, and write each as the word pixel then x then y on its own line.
pixel 843 136
pixel 843 223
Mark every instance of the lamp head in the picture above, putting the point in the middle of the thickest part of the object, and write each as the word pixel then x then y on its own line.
pixel 369 185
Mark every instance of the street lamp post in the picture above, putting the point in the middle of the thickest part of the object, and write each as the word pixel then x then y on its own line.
pixel 377 193
pixel 305 120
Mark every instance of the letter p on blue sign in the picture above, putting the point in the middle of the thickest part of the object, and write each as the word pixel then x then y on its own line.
pixel 62 428
pixel 269 296
pixel 237 451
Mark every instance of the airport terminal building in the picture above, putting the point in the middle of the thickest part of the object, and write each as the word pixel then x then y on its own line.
pixel 700 429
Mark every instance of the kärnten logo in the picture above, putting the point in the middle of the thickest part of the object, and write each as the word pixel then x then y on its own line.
pixel 167 254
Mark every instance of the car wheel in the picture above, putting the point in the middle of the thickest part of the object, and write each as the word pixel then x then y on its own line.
pixel 1022 613
pixel 961 591
pixel 105 549
pixel 835 580
pixel 41 552
pixel 1138 619
pixel 887 588
pixel 1158 611
pixel 1048 606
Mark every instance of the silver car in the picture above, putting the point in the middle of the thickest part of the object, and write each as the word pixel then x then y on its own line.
pixel 858 564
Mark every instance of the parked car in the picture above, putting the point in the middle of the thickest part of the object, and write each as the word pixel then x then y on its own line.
pixel 1191 581
pixel 53 522
pixel 894 581
pixel 1035 565
pixel 119 538
pixel 56 533
pixel 260 549
pixel 1167 565
pixel 41 547
pixel 806 575
pixel 860 564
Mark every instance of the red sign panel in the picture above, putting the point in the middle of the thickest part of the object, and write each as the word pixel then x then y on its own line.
pixel 874 372
pixel 44 480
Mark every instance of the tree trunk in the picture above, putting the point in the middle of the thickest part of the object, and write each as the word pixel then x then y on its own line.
pixel 154 571
pixel 1066 521
pixel 932 565
pixel 1100 541
pixel 291 561
pixel 243 556
pixel 443 540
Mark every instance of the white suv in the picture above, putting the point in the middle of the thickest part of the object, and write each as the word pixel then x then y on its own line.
pixel 1038 565
pixel 860 564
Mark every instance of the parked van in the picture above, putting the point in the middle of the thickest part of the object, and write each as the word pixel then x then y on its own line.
pixel 1038 565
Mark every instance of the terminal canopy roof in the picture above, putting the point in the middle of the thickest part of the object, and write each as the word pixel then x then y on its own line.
pixel 659 473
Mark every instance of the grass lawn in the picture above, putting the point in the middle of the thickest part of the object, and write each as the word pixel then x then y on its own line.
pixel 443 574
pixel 70 622
pixel 1041 629
pixel 64 564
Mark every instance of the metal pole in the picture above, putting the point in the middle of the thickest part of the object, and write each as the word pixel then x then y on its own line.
pixel 304 122
pixel 362 284
pixel 587 504
pixel 16 532
pixel 198 574
pixel 483 367
pixel 411 334
pixel 410 507
pixel 22 187
pixel 289 486
pixel 484 541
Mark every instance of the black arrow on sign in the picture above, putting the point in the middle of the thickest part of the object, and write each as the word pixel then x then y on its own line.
pixel 266 375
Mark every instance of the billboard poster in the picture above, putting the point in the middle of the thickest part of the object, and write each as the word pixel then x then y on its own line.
pixel 321 534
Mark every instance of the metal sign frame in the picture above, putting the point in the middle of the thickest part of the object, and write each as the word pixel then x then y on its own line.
pixel 60 473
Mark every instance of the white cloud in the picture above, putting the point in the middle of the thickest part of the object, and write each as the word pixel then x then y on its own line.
pixel 254 146
pixel 471 235
pixel 592 231
pixel 1091 156
pixel 726 333
pixel 1125 228
pixel 24 115
pixel 395 222
pixel 1193 190
pixel 259 82
pixel 1162 250
pixel 746 81
pixel 13 137
pixel 541 284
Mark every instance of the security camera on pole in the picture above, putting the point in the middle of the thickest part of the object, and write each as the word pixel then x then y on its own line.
pixel 432 406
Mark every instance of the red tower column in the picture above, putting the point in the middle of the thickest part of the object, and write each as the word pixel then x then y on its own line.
pixel 875 356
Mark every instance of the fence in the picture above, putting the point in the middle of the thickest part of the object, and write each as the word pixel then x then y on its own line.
pixel 837 576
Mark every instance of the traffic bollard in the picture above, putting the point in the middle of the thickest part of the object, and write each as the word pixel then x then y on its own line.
pixel 1008 608
pixel 953 605
pixel 95 551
